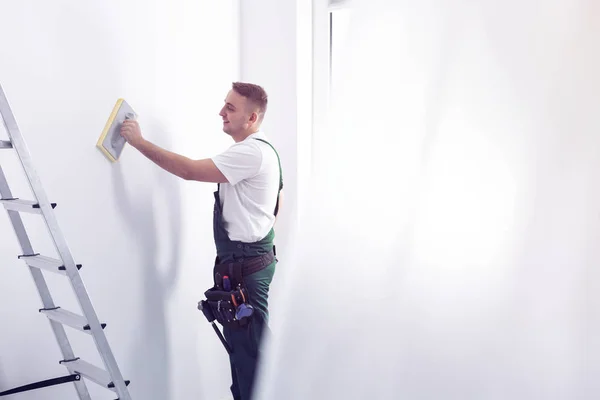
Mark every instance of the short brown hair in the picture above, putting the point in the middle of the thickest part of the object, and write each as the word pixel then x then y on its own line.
pixel 254 93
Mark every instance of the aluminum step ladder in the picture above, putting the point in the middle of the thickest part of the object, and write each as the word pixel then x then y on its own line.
pixel 110 377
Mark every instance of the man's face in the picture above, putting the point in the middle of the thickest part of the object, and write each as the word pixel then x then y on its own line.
pixel 236 118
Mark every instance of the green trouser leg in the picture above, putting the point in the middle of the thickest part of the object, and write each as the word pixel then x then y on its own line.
pixel 245 342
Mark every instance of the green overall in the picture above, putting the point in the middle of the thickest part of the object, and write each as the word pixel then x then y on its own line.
pixel 245 341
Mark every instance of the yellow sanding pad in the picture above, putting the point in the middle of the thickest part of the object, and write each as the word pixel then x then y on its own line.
pixel 110 142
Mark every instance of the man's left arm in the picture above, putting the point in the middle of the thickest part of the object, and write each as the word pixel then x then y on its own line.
pixel 194 170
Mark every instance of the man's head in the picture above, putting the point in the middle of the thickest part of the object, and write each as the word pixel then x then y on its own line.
pixel 244 110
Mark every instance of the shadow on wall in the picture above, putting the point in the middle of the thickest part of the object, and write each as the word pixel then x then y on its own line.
pixel 151 352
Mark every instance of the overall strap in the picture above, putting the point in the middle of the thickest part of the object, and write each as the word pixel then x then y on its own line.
pixel 278 160
pixel 280 173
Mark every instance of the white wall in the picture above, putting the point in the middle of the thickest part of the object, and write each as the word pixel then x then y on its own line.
pixel 453 251
pixel 143 236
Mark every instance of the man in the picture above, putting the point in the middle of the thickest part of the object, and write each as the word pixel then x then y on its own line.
pixel 246 204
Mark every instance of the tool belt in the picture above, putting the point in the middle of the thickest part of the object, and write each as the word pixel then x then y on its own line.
pixel 228 301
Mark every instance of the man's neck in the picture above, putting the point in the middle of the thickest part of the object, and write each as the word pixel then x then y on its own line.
pixel 242 136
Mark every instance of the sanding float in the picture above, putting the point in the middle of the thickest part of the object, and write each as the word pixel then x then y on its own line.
pixel 111 143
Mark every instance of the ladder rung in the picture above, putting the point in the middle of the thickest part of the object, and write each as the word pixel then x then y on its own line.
pixel 91 372
pixel 47 263
pixel 5 144
pixel 23 205
pixel 69 318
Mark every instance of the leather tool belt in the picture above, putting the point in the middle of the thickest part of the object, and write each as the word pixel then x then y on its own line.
pixel 228 301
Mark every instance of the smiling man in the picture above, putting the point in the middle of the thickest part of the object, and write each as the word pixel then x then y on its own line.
pixel 247 202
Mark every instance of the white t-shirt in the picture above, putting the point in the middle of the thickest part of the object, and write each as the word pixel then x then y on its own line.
pixel 249 199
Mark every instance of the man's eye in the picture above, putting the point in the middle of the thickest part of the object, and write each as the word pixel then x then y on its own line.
pixel 230 109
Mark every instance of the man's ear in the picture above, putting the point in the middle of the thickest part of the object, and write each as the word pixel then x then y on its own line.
pixel 253 117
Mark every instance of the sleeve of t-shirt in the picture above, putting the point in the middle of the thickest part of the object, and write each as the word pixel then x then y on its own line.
pixel 241 161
